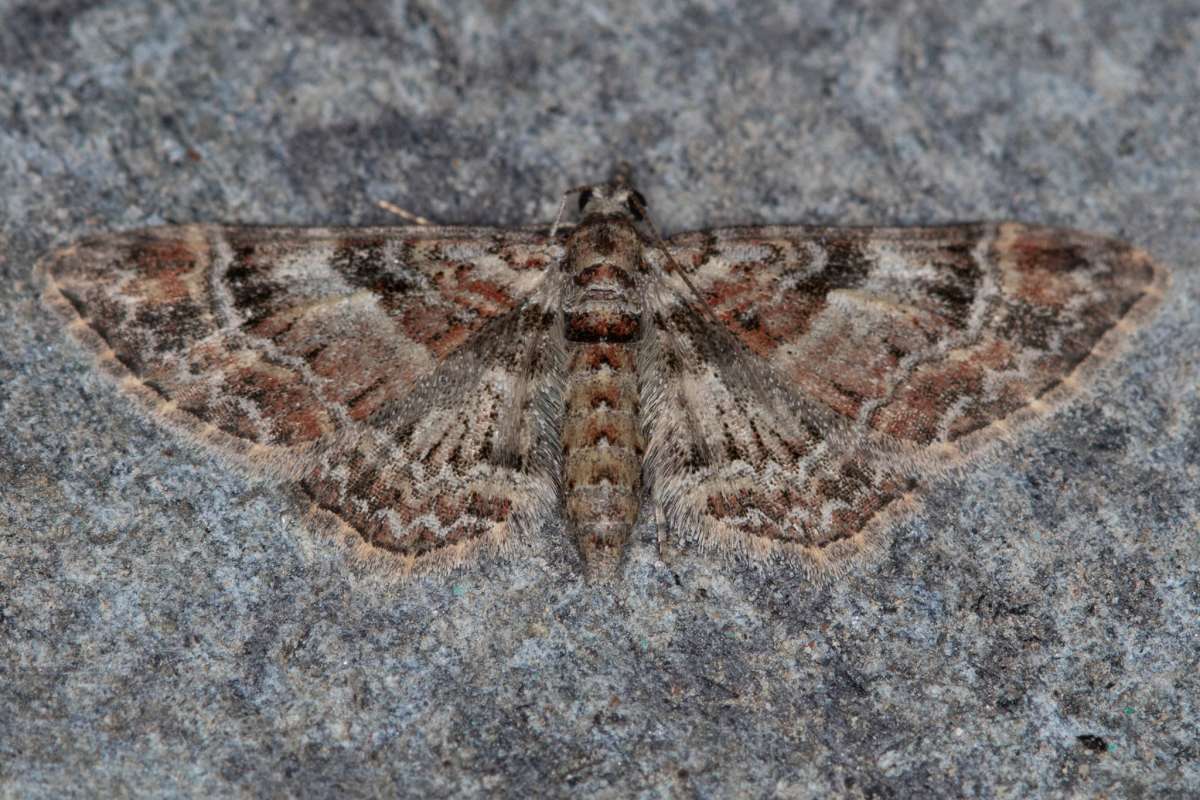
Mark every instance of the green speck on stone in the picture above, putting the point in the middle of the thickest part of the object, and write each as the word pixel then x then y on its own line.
pixel 1112 747
pixel 459 590
pixel 1128 711
pixel 644 643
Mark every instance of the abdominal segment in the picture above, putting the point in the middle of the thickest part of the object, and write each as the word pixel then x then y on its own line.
pixel 602 450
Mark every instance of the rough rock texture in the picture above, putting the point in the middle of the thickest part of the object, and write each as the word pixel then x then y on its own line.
pixel 167 628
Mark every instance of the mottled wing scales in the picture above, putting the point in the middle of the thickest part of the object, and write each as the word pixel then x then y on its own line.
pixel 469 460
pixel 901 350
pixel 279 336
pixel 796 388
pixel 739 465
pixel 266 341
pixel 922 334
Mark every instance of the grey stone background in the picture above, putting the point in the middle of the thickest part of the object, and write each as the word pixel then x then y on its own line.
pixel 168 628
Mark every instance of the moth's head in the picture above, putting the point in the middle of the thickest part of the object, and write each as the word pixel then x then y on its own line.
pixel 615 198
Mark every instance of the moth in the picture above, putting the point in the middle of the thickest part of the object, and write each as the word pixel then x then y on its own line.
pixel 439 394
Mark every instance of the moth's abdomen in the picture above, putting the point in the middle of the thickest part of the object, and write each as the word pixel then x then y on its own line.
pixel 602 447
pixel 602 450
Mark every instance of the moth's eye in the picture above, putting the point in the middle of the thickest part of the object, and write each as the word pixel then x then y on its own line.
pixel 585 197
pixel 637 205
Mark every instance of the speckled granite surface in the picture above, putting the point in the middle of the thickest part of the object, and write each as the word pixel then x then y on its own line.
pixel 167 628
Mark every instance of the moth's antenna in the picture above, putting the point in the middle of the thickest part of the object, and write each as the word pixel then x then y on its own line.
pixel 660 245
pixel 391 208
pixel 562 206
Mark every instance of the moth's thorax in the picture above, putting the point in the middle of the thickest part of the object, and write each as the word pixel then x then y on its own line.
pixel 601 302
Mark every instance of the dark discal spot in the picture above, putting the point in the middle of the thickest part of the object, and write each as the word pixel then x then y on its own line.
pixel 1096 744
pixel 1032 326
pixel 175 326
pixel 363 263
pixel 846 268
pixel 248 284
pixel 956 294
